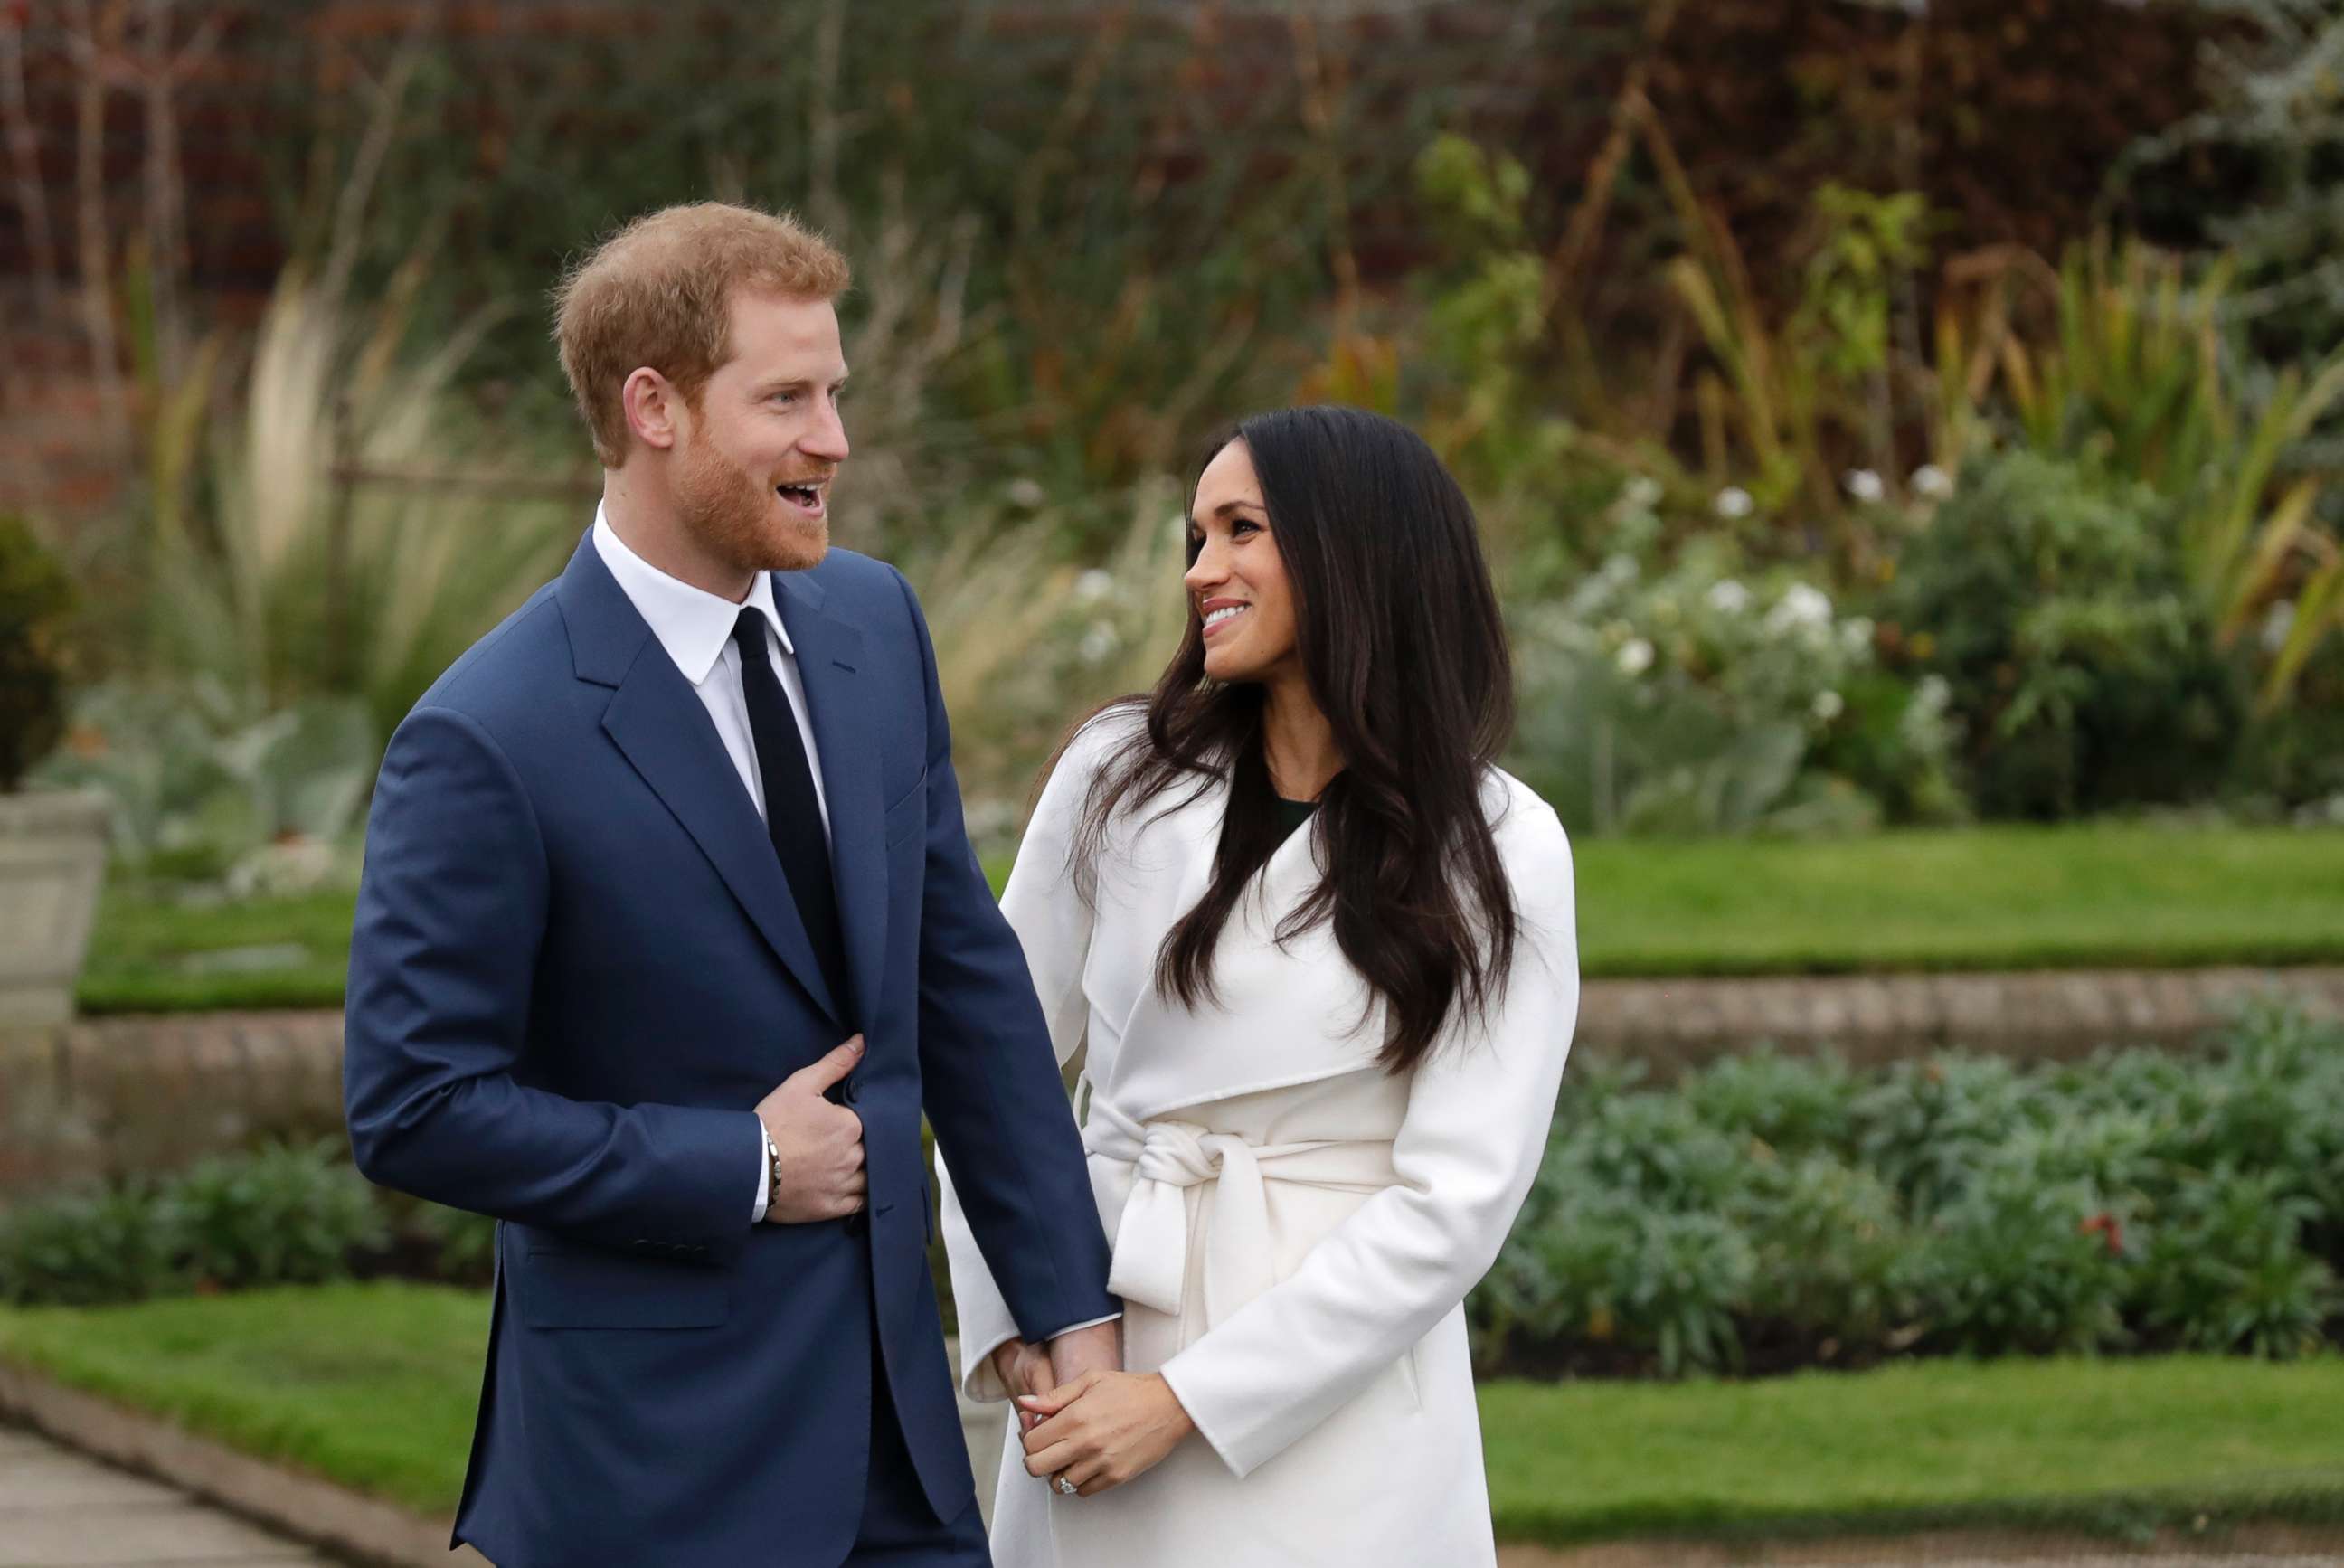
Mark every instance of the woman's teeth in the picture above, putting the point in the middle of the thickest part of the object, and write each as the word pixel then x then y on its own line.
pixel 1218 616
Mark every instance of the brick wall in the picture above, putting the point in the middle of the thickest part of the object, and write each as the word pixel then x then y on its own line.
pixel 115 1095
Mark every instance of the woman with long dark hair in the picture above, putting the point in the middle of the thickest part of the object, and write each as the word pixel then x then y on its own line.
pixel 1319 951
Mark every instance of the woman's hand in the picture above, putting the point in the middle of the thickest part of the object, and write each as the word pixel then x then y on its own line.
pixel 1024 1369
pixel 1104 1428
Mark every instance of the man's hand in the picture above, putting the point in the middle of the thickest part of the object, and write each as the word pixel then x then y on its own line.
pixel 1098 1349
pixel 820 1144
pixel 1023 1369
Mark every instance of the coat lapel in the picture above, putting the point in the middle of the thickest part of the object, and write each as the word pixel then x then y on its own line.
pixel 829 653
pixel 1286 1016
pixel 656 720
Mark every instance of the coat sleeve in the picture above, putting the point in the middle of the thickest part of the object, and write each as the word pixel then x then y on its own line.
pixel 452 910
pixel 1468 1145
pixel 989 1083
pixel 1052 924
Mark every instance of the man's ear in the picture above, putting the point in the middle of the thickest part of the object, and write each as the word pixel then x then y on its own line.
pixel 655 409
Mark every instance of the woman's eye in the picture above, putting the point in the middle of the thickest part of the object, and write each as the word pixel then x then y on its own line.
pixel 1244 526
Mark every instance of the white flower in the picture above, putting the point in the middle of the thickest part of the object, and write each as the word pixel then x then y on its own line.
pixel 1828 706
pixel 1620 568
pixel 1092 586
pixel 1642 492
pixel 1855 635
pixel 1865 485
pixel 1635 657
pixel 2277 621
pixel 1801 604
pixel 1098 643
pixel 1931 482
pixel 1733 503
pixel 1729 597
pixel 1025 492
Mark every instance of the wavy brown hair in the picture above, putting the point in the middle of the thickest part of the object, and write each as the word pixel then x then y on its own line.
pixel 1404 650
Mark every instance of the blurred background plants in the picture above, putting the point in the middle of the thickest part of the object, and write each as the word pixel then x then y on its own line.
pixel 1763 394
pixel 1768 1212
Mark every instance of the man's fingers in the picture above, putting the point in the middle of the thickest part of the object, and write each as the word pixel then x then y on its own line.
pixel 835 1064
pixel 1060 1396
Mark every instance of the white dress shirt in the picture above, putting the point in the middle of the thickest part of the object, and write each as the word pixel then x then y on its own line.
pixel 695 627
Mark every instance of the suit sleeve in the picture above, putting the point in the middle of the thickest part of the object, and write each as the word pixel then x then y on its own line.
pixel 991 1086
pixel 1052 926
pixel 1467 1146
pixel 451 911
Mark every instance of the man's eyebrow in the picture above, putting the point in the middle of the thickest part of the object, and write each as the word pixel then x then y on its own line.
pixel 785 383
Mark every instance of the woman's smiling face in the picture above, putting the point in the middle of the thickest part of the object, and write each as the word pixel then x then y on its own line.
pixel 1236 580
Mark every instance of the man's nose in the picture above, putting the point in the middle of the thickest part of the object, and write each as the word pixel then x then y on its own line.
pixel 827 438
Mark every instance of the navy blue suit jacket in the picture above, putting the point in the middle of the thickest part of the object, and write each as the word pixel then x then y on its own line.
pixel 577 966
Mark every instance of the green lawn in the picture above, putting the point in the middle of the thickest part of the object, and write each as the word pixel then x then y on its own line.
pixel 2136 896
pixel 1920 1445
pixel 373 1386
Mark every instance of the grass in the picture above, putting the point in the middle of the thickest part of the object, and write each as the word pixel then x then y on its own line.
pixel 2123 896
pixel 2096 1445
pixel 371 1385
pixel 374 1386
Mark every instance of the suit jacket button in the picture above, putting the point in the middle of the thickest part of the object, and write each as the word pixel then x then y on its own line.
pixel 848 1089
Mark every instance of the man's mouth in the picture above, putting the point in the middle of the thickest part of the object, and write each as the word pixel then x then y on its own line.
pixel 807 498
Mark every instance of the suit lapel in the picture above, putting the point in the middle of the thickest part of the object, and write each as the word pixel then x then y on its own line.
pixel 829 653
pixel 656 720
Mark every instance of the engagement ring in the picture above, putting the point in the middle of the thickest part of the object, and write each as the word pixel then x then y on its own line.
pixel 1065 1488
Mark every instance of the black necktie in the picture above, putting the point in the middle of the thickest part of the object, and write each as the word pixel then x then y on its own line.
pixel 793 814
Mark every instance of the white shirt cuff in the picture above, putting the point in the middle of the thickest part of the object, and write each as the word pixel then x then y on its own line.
pixel 1095 1322
pixel 765 1173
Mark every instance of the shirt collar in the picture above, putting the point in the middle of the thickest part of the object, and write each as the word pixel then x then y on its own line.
pixel 691 624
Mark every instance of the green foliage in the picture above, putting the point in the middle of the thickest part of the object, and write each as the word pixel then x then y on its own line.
pixel 35 599
pixel 1703 699
pixel 204 790
pixel 1793 1210
pixel 2013 1265
pixel 2225 1268
pixel 82 1250
pixel 2051 602
pixel 282 1215
pixel 1834 1254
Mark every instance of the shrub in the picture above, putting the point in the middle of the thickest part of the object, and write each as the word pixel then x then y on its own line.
pixel 2225 1268
pixel 2053 604
pixel 88 1249
pixel 284 1215
pixel 1834 1256
pixel 35 599
pixel 2015 1265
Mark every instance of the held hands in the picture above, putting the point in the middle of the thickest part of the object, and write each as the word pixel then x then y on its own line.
pixel 820 1144
pixel 1036 1369
pixel 1024 1369
pixel 1103 1429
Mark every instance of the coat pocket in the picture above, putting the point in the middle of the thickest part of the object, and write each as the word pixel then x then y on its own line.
pixel 585 1289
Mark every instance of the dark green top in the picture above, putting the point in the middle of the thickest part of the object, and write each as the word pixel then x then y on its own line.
pixel 1293 813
